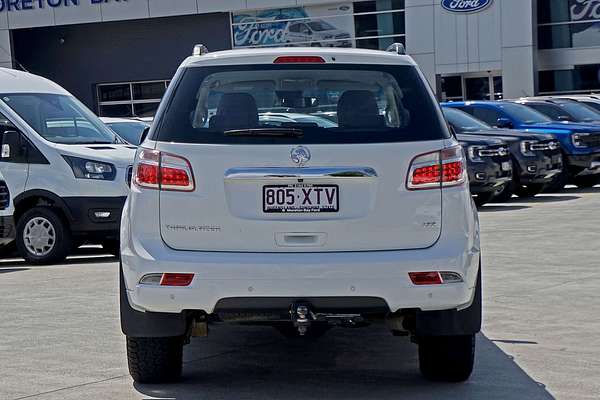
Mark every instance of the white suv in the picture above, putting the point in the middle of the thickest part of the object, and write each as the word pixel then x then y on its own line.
pixel 297 224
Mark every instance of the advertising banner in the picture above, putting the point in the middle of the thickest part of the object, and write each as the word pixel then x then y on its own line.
pixel 322 26
pixel 585 34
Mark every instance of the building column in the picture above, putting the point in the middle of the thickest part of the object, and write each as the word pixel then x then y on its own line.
pixel 519 48
pixel 5 49
pixel 420 31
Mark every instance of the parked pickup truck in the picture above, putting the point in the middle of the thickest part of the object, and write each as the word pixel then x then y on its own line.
pixel 536 157
pixel 580 143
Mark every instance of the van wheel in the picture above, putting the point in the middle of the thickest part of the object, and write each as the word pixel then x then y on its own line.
pixel 43 237
pixel 447 358
pixel 531 190
pixel 155 360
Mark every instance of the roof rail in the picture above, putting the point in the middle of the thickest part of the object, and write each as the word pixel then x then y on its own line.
pixel 397 48
pixel 200 50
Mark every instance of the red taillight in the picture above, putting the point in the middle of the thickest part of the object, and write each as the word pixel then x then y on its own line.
pixel 437 169
pixel 163 171
pixel 425 278
pixel 170 279
pixel 299 60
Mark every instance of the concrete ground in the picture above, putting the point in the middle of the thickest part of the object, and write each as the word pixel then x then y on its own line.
pixel 60 338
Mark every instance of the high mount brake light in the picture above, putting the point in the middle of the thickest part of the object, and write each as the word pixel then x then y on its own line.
pixel 299 60
pixel 442 168
pixel 163 171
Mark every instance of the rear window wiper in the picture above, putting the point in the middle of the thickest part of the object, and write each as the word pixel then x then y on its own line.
pixel 271 132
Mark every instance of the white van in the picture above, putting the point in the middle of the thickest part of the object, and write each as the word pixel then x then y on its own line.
pixel 66 171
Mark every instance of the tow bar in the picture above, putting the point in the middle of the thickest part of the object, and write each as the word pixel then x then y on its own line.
pixel 301 317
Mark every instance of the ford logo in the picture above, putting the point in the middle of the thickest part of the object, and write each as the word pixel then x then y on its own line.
pixel 465 6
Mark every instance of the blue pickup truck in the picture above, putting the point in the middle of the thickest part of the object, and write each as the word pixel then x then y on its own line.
pixel 580 142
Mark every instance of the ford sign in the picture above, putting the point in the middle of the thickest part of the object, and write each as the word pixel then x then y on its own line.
pixel 465 6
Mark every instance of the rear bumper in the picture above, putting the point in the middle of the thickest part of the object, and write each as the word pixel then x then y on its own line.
pixel 378 274
pixel 7 230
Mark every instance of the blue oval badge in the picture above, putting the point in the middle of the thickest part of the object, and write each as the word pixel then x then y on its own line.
pixel 465 6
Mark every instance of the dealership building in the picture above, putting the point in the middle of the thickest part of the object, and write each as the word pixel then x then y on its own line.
pixel 118 56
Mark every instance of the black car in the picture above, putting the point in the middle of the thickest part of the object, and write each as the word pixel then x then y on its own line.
pixel 536 157
pixel 488 164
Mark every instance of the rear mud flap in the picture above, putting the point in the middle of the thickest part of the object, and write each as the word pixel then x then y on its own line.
pixel 146 324
pixel 452 322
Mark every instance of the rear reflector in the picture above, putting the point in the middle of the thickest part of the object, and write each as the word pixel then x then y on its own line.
pixel 425 278
pixel 299 60
pixel 170 279
pixel 434 278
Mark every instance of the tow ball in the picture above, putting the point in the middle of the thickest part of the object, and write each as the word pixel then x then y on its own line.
pixel 301 316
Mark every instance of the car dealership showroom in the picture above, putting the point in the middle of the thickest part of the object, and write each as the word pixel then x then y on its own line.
pixel 264 235
pixel 118 56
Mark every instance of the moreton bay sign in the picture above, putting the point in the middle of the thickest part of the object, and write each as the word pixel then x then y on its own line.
pixel 465 6
pixel 24 5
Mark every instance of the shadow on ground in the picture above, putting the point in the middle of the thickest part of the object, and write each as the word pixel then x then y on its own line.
pixel 84 255
pixel 256 363
pixel 544 199
pixel 495 208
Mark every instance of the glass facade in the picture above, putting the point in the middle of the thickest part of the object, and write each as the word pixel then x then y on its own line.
pixel 580 79
pixel 568 24
pixel 130 99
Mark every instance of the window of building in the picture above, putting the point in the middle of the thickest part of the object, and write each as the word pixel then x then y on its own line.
pixel 130 99
pixel 373 24
pixel 580 79
pixel 568 24
pixel 470 86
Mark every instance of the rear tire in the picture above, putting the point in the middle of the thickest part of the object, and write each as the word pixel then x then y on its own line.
pixel 155 360
pixel 43 237
pixel 447 358
pixel 528 191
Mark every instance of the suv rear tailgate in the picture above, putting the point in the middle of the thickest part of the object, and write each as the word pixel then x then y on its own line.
pixel 364 187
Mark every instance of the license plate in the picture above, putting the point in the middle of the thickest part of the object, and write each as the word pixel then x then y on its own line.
pixel 506 166
pixel 301 198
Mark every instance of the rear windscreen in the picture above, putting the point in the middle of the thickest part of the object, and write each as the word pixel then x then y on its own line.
pixel 300 104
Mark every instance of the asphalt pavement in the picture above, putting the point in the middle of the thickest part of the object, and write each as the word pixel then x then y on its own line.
pixel 60 336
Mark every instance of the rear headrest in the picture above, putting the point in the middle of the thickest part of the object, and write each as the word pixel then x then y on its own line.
pixel 235 111
pixel 358 109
